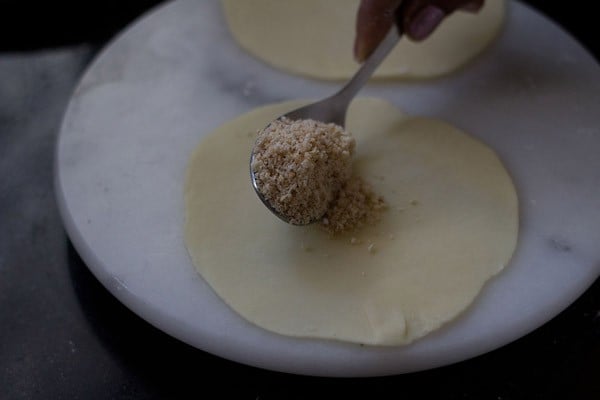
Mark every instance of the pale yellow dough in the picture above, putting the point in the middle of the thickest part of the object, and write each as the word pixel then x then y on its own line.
pixel 315 38
pixel 451 225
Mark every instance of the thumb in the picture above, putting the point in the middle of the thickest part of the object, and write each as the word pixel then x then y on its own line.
pixel 373 21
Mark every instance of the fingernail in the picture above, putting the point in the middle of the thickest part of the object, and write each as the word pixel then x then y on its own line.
pixel 359 50
pixel 425 21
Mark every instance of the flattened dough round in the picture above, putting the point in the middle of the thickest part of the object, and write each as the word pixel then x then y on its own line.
pixel 451 225
pixel 315 38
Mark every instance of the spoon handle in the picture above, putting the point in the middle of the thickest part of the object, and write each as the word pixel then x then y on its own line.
pixel 369 66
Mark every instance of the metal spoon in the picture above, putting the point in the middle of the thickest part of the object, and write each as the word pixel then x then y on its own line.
pixel 333 109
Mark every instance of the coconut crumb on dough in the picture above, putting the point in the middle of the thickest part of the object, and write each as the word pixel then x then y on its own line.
pixel 355 205
pixel 303 168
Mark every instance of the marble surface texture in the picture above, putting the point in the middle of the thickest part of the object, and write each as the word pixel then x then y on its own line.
pixel 148 99
pixel 64 336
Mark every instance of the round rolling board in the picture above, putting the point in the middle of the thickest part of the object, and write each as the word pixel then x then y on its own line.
pixel 176 74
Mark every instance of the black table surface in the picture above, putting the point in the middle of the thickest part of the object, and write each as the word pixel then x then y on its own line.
pixel 63 336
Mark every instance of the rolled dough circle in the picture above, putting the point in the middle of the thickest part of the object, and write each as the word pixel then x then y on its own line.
pixel 315 38
pixel 451 224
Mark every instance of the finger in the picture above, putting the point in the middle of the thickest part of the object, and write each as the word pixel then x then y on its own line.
pixel 421 17
pixel 373 21
pixel 472 5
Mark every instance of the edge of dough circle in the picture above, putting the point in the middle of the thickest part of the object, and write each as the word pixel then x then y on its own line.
pixel 451 224
pixel 314 38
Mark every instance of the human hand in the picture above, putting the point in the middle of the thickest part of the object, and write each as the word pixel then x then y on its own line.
pixel 415 18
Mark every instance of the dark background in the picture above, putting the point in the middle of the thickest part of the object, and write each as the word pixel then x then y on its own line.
pixel 63 336
pixel 36 24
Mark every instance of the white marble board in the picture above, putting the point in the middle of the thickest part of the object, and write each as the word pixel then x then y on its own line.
pixel 176 74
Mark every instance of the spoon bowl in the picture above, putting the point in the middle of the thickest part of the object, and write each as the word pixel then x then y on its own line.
pixel 333 108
